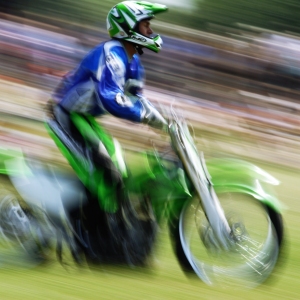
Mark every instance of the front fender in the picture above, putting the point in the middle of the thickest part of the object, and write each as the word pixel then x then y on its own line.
pixel 234 175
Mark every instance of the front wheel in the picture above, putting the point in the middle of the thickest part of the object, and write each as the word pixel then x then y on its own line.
pixel 257 232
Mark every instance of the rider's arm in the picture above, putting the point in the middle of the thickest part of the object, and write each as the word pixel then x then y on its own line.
pixel 116 96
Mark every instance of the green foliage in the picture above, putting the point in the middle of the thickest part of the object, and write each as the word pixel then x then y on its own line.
pixel 269 14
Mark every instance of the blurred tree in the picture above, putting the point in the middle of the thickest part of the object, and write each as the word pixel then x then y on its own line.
pixel 15 7
pixel 269 14
pixel 275 15
pixel 85 11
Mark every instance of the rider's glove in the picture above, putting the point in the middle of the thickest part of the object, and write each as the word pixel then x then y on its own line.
pixel 152 117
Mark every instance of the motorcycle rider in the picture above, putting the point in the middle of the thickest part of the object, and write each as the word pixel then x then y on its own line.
pixel 109 79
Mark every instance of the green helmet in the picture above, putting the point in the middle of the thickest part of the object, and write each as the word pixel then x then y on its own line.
pixel 123 18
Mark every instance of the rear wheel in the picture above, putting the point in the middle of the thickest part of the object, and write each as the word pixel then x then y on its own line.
pixel 257 233
pixel 23 239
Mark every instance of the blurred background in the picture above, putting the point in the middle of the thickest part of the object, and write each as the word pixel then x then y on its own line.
pixel 233 66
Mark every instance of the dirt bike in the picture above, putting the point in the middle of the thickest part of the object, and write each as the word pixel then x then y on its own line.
pixel 224 220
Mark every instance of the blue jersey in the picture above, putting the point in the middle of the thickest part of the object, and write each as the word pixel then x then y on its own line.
pixel 106 81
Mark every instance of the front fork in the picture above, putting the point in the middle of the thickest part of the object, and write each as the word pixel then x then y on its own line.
pixel 200 178
pixel 213 210
pixel 196 170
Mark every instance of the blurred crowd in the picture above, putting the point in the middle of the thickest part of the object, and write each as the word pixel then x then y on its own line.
pixel 241 88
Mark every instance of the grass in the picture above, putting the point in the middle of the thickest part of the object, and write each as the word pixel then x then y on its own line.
pixel 165 279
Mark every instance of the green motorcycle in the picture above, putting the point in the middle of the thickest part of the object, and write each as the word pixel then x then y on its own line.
pixel 225 223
